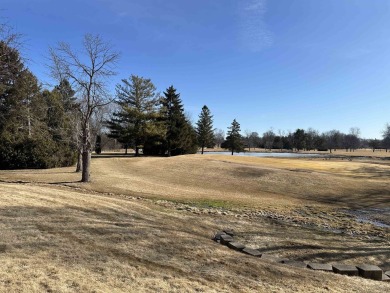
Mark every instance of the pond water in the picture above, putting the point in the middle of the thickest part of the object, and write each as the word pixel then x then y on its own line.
pixel 279 155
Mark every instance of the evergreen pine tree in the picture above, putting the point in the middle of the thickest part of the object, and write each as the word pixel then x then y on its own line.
pixel 30 122
pixel 137 100
pixel 180 135
pixel 173 115
pixel 234 139
pixel 67 95
pixel 11 67
pixel 204 129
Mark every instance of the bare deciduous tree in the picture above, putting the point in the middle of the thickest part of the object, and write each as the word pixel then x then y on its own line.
pixel 386 137
pixel 252 139
pixel 311 138
pixel 268 139
pixel 333 139
pixel 247 139
pixel 351 140
pixel 88 72
pixel 10 43
pixel 281 134
pixel 9 36
pixel 219 137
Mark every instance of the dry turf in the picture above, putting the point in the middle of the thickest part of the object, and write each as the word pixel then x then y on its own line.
pixel 144 224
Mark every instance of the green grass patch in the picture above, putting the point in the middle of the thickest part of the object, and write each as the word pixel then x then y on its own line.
pixel 209 203
pixel 205 203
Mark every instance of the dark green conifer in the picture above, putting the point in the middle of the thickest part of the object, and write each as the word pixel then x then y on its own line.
pixel 31 121
pixel 180 135
pixel 234 138
pixel 204 129
pixel 137 101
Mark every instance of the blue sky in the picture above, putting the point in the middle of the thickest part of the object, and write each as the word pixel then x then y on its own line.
pixel 284 64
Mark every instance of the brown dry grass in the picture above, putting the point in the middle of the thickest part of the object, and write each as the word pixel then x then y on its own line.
pixel 231 180
pixel 57 239
pixel 62 239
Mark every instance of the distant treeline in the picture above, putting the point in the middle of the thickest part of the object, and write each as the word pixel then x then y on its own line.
pixel 312 139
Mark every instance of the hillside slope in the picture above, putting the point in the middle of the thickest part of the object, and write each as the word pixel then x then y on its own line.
pixel 57 239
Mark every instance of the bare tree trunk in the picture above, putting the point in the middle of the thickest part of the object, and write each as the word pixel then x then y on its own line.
pixel 86 152
pixel 29 121
pixel 86 166
pixel 169 149
pixel 79 165
pixel 202 149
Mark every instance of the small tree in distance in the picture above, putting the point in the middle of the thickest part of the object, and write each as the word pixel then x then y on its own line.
pixel 204 129
pixel 386 137
pixel 299 139
pixel 268 139
pixel 219 137
pixel 234 139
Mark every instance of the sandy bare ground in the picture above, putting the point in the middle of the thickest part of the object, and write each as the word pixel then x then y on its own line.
pixel 61 235
pixel 56 239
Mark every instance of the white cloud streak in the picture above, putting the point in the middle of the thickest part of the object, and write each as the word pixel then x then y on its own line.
pixel 254 34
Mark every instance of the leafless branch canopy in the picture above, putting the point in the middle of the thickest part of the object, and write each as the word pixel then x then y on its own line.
pixel 9 36
pixel 9 46
pixel 88 71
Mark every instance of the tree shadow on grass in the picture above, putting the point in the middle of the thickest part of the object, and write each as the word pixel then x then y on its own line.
pixel 64 182
pixel 96 236
pixel 366 199
pixel 85 224
pixel 372 172
pixel 113 155
pixel 311 245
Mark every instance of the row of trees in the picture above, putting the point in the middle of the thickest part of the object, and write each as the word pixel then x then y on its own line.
pixel 146 120
pixel 309 139
pixel 302 139
pixel 49 128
